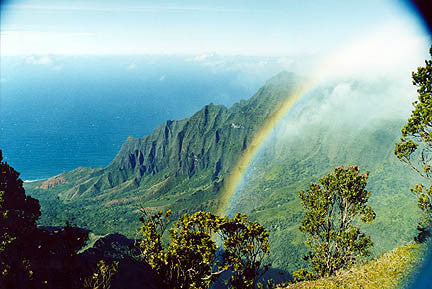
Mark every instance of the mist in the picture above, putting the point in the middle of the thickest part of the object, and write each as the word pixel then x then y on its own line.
pixel 356 102
pixel 366 81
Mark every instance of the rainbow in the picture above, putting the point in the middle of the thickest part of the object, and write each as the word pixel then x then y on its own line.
pixel 236 175
pixel 348 60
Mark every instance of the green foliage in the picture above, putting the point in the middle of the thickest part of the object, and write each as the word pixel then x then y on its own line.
pixel 303 275
pixel 415 146
pixel 424 202
pixel 332 209
pixel 192 259
pixel 245 248
pixel 188 261
pixel 102 277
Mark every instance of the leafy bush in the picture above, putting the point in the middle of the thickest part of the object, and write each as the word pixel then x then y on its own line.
pixel 192 259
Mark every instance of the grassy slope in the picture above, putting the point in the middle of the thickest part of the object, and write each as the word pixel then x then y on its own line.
pixel 388 271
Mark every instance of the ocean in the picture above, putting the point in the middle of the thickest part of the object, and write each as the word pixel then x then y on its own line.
pixel 61 112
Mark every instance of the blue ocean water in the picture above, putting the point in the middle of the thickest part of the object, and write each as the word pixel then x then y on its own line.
pixel 61 112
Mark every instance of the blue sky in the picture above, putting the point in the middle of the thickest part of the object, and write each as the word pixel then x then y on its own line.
pixel 271 28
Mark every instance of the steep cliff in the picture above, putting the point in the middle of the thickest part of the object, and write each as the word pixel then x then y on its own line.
pixel 182 164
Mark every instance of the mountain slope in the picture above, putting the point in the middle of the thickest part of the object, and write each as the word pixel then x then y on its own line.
pixel 181 165
pixel 303 148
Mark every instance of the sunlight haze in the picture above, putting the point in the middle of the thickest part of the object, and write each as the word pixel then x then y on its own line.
pixel 192 27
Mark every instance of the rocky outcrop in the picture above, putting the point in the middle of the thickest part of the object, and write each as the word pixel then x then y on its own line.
pixel 212 139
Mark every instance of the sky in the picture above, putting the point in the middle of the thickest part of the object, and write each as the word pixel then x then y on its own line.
pixel 254 27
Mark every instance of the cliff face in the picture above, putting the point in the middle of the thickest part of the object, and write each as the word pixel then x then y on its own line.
pixel 181 165
pixel 212 139
pixel 183 147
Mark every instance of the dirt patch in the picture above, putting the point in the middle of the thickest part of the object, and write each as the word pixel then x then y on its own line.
pixel 52 182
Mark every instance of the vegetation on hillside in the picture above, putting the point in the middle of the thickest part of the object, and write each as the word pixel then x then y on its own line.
pixel 108 200
pixel 180 166
pixel 270 194
pixel 190 261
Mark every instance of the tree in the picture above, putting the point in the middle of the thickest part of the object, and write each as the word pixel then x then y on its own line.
pixel 246 246
pixel 31 257
pixel 192 259
pixel 415 146
pixel 188 261
pixel 332 208
pixel 18 216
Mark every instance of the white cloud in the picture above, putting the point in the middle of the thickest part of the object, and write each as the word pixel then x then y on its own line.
pixel 44 60
pixel 39 60
pixel 131 66
pixel 162 78
pixel 220 63
pixel 202 57
pixel 285 61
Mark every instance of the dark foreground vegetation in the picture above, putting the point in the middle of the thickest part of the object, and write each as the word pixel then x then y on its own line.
pixel 33 257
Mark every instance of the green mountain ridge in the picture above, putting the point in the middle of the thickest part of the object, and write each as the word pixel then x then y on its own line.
pixel 183 164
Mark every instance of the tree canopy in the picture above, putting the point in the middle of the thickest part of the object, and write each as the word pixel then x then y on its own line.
pixel 333 207
pixel 192 258
pixel 415 146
